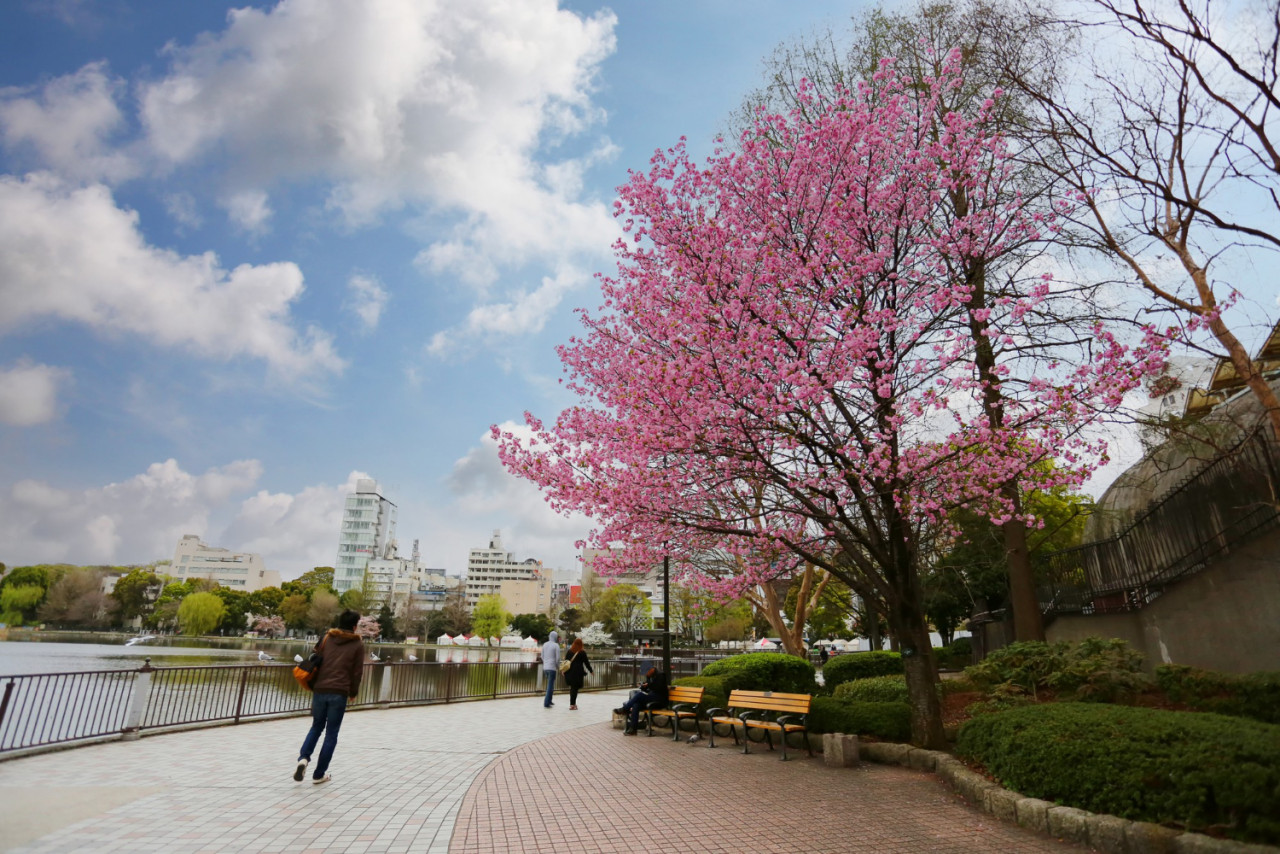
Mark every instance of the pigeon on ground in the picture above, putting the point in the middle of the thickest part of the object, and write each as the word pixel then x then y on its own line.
pixel 694 738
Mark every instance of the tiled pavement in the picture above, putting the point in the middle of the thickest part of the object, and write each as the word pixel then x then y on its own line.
pixel 476 778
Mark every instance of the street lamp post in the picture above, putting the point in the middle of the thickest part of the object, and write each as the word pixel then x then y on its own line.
pixel 666 615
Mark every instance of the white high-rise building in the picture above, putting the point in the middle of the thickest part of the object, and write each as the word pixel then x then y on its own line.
pixel 488 568
pixel 236 570
pixel 368 532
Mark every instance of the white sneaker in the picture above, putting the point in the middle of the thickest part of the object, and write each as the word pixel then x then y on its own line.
pixel 301 770
pixel 318 780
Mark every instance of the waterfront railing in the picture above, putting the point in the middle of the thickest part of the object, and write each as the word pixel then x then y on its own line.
pixel 45 710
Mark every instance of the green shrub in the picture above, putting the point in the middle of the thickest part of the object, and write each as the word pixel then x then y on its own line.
pixel 960 646
pixel 860 665
pixel 956 655
pixel 1197 771
pixel 883 721
pixel 1252 695
pixel 764 671
pixel 877 689
pixel 714 694
pixel 1095 669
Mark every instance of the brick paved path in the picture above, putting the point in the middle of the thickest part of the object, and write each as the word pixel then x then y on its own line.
pixel 595 790
pixel 480 774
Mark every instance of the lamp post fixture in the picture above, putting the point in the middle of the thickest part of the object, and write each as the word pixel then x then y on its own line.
pixel 666 615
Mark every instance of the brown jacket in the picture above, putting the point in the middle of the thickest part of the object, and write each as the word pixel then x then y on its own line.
pixel 343 664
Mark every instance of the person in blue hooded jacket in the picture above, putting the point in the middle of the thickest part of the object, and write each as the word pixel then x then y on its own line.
pixel 550 666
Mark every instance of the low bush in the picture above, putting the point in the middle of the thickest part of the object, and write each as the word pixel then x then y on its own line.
pixel 1202 772
pixel 882 721
pixel 860 665
pixel 877 689
pixel 1095 669
pixel 764 671
pixel 1251 695
pixel 714 693
pixel 956 655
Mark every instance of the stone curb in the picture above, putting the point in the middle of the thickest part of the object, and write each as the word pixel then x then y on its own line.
pixel 1106 833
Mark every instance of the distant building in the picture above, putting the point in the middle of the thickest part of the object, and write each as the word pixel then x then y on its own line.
pixel 489 568
pixel 649 581
pixel 368 532
pixel 236 570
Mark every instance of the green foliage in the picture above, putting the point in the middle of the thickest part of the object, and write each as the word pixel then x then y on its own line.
pixel 877 689
pixel 237 605
pixel 624 608
pixel 1252 695
pixel 200 613
pixel 18 602
pixel 956 655
pixel 534 625
pixel 320 578
pixel 860 665
pixel 1198 771
pixel 323 610
pixel 135 594
pixel 882 721
pixel 266 601
pixel 714 693
pixel 764 671
pixel 294 608
pixel 74 600
pixel 490 617
pixel 570 620
pixel 1098 670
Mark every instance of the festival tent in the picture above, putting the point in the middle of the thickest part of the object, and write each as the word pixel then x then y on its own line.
pixel 476 640
pixel 529 643
pixel 445 640
pixel 511 642
pixel 494 642
pixel 765 643
pixel 460 640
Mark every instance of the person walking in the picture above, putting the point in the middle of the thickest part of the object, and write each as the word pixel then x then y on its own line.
pixel 337 680
pixel 579 667
pixel 550 666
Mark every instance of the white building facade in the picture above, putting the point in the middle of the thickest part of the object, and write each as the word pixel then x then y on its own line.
pixel 368 532
pixel 488 568
pixel 235 570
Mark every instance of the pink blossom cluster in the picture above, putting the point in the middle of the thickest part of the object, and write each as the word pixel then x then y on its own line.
pixel 784 364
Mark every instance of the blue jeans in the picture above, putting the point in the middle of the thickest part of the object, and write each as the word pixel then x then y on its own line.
pixel 639 701
pixel 550 676
pixel 326 717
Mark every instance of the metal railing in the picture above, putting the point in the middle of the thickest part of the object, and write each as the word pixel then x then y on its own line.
pixel 48 709
pixel 1227 503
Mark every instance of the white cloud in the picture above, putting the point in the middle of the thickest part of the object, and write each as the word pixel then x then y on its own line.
pixel 67 124
pixel 367 299
pixel 248 210
pixel 69 253
pixel 483 489
pixel 448 107
pixel 182 207
pixel 293 533
pixel 142 519
pixel 29 393
pixel 524 313
pixel 136 521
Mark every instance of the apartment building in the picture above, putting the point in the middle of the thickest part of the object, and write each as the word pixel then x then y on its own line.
pixel 368 533
pixel 488 568
pixel 236 570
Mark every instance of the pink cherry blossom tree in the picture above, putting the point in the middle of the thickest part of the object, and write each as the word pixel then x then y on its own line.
pixel 783 364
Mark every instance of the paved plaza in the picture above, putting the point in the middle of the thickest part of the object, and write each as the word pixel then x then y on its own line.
pixel 477 778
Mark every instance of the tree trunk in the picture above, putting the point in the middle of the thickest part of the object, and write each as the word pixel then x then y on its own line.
pixel 1028 625
pixel 922 678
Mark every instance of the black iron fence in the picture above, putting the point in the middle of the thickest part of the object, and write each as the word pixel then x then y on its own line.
pixel 55 708
pixel 1226 504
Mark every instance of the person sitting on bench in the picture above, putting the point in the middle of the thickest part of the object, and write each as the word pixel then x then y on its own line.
pixel 652 695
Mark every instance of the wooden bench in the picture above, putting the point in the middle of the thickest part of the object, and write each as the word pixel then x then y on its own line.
pixel 682 704
pixel 766 711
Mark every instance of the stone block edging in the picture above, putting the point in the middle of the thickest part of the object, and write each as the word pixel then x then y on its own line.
pixel 1107 833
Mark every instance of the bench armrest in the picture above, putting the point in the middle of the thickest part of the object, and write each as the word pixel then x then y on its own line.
pixel 685 707
pixel 752 714
pixel 786 719
pixel 711 712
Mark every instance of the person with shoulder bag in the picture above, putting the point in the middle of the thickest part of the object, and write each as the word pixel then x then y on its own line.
pixel 336 680
pixel 575 673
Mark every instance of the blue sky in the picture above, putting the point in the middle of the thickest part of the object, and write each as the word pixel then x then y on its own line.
pixel 249 253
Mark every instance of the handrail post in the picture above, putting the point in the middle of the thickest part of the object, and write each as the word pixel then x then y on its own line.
pixel 384 687
pixel 137 703
pixel 4 703
pixel 244 678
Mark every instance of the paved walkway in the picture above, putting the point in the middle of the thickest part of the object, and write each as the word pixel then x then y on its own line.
pixel 476 778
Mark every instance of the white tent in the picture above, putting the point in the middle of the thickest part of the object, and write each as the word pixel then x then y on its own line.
pixel 529 643
pixel 494 642
pixel 475 640
pixel 460 640
pixel 511 642
pixel 445 640
pixel 765 643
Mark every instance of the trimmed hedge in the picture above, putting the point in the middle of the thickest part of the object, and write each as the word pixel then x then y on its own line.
pixel 764 671
pixel 877 689
pixel 1197 771
pixel 714 694
pixel 883 721
pixel 860 665
pixel 1095 669
pixel 1252 695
